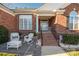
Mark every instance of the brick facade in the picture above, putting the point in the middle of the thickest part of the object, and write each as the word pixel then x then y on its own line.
pixel 8 21
pixel 70 7
pixel 60 24
pixel 12 22
pixel 61 21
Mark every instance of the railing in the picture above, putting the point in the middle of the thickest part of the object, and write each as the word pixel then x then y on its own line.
pixel 41 35
pixel 54 33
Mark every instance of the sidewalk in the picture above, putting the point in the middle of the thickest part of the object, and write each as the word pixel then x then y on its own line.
pixel 52 51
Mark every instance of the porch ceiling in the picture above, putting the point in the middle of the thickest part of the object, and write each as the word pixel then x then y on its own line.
pixel 45 17
pixel 39 12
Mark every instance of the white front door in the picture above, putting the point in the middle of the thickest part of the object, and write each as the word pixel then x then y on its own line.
pixel 44 25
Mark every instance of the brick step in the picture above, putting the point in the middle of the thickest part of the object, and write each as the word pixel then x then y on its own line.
pixel 49 39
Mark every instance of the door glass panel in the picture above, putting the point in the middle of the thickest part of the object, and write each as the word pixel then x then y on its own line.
pixel 44 25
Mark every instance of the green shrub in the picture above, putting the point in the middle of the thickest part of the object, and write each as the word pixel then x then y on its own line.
pixel 70 39
pixel 3 34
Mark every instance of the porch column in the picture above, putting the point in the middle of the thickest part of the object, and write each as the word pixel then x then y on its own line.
pixel 37 23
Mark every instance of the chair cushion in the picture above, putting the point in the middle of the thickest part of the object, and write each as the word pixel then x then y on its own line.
pixel 14 42
pixel 27 40
pixel 14 36
pixel 31 35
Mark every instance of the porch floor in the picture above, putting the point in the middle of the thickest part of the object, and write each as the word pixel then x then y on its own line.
pixel 24 50
pixel 49 39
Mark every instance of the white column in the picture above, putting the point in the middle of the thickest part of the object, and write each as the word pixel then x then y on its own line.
pixel 23 25
pixel 37 23
pixel 78 21
pixel 73 23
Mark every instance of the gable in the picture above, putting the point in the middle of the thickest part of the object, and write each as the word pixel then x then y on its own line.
pixel 70 7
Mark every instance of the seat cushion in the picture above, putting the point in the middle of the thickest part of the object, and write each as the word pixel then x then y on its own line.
pixel 14 42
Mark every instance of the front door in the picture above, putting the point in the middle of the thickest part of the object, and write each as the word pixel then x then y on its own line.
pixel 44 25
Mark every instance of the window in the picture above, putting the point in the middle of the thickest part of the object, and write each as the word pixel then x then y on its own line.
pixel 25 22
pixel 73 21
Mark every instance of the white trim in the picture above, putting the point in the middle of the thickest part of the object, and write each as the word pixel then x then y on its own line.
pixel 74 25
pixel 46 14
pixel 37 23
pixel 46 6
pixel 23 22
pixel 6 10
pixel 23 25
pixel 78 22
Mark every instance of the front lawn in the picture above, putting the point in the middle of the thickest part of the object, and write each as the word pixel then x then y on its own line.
pixel 7 54
pixel 73 53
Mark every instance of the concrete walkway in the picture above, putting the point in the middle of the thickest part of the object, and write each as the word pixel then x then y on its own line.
pixel 52 51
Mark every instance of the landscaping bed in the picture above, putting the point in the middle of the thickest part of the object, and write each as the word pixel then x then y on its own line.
pixel 72 39
pixel 69 41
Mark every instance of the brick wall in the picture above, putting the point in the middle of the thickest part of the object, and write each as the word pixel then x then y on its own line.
pixel 61 26
pixel 51 21
pixel 61 20
pixel 70 7
pixel 12 22
pixel 8 21
pixel 60 23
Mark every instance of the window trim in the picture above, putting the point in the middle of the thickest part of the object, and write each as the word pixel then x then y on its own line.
pixel 71 20
pixel 23 22
pixel 73 24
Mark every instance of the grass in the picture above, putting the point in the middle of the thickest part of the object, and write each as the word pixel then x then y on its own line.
pixel 73 53
pixel 7 54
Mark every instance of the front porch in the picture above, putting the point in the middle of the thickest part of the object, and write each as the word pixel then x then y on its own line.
pixel 25 50
pixel 49 39
pixel 46 24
